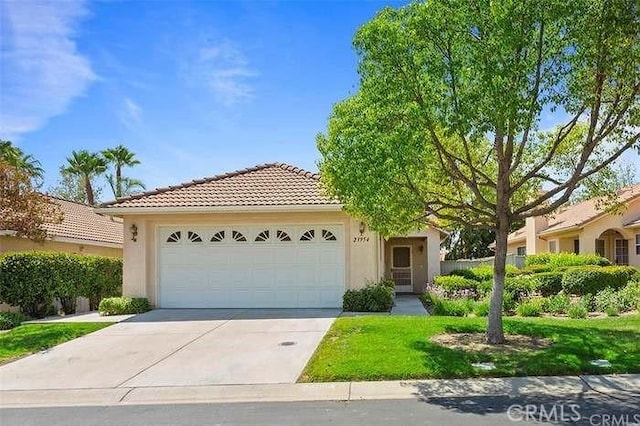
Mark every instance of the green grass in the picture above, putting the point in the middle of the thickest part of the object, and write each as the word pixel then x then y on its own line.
pixel 396 348
pixel 30 338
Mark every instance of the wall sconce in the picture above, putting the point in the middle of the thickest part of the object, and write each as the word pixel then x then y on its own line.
pixel 362 228
pixel 134 232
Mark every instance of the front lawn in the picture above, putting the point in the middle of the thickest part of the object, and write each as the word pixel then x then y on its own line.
pixel 396 348
pixel 30 338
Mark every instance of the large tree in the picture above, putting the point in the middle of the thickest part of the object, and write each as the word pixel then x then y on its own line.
pixel 71 187
pixel 450 123
pixel 14 156
pixel 86 166
pixel 120 157
pixel 23 210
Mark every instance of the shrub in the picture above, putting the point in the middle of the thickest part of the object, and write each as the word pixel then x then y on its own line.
pixel 124 305
pixel 557 304
pixel 32 280
pixel 549 283
pixel 577 310
pixel 629 297
pixel 555 260
pixel 9 320
pixel 612 311
pixel 466 273
pixel 521 286
pixel 530 307
pixel 591 279
pixel 481 308
pixel 605 299
pixel 450 307
pixel 372 298
pixel 389 283
pixel 457 286
pixel 536 269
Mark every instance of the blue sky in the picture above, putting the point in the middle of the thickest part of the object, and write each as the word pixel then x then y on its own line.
pixel 193 88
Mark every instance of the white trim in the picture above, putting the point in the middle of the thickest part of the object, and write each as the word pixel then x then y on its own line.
pixel 557 243
pixel 239 209
pixel 69 240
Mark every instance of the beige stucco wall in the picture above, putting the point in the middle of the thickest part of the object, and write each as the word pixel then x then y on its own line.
pixel 8 243
pixel 140 257
pixel 512 248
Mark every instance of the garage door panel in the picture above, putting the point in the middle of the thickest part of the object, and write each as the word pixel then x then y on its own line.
pixel 269 274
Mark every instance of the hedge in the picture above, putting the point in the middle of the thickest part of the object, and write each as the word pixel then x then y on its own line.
pixel 124 305
pixel 592 279
pixel 372 298
pixel 555 260
pixel 549 283
pixel 32 280
pixel 484 273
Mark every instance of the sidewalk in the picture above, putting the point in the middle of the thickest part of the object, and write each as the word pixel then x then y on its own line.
pixel 628 384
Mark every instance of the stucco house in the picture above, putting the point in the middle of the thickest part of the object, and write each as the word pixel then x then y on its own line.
pixel 586 228
pixel 264 237
pixel 81 231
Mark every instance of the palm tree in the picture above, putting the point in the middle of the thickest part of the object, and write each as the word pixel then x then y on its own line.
pixel 120 157
pixel 86 165
pixel 15 157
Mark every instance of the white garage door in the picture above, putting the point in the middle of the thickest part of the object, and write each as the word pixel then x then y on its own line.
pixel 251 267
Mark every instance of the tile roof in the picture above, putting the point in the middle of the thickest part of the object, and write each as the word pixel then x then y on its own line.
pixel 273 184
pixel 81 222
pixel 580 213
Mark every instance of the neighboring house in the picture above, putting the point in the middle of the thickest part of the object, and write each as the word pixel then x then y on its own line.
pixel 585 228
pixel 265 236
pixel 81 231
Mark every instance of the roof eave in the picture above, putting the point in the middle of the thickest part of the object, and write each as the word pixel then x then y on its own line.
pixel 562 230
pixel 121 211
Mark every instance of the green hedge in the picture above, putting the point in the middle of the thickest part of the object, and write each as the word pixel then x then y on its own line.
pixel 372 298
pixel 549 283
pixel 555 260
pixel 592 279
pixel 484 273
pixel 32 280
pixel 451 283
pixel 124 305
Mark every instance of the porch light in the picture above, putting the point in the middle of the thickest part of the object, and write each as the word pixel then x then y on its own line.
pixel 134 232
pixel 362 228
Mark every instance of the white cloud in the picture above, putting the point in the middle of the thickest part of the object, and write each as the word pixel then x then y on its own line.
pixel 224 69
pixel 41 69
pixel 131 113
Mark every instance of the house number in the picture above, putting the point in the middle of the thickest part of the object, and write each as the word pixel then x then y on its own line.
pixel 360 239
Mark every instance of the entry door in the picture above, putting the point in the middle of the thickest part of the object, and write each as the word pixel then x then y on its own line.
pixel 401 268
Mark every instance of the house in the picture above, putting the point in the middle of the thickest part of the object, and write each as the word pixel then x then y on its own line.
pixel 585 228
pixel 81 231
pixel 264 237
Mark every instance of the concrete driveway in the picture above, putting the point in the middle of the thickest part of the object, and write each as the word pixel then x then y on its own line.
pixel 180 347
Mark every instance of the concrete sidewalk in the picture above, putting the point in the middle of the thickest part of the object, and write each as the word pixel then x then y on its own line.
pixel 628 384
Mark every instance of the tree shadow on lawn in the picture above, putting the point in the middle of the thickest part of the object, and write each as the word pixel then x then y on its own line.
pixel 572 349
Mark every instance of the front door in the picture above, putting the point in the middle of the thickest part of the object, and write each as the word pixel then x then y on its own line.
pixel 401 270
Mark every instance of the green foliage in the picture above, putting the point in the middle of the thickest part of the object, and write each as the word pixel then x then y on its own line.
pixel 32 280
pixel 371 298
pixel 481 308
pixel 484 273
pixel 466 273
pixel 557 304
pixel 469 243
pixel 521 286
pixel 452 283
pixel 607 299
pixel 577 310
pixel 591 279
pixel 556 260
pixel 629 297
pixel 9 320
pixel 549 283
pixel 124 305
pixel 537 268
pixel 530 307
pixel 441 306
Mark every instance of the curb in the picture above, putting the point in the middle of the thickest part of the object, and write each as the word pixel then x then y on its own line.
pixel 337 391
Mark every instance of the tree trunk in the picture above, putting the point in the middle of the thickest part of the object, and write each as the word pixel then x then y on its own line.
pixel 89 190
pixel 118 181
pixel 495 333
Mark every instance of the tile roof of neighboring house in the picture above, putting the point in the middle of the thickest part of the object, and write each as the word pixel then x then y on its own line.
pixel 81 222
pixel 633 222
pixel 274 184
pixel 517 235
pixel 580 213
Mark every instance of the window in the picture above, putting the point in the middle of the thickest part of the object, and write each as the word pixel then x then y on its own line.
pixel 600 248
pixel 283 236
pixel 576 246
pixel 193 237
pixel 637 243
pixel 328 235
pixel 308 235
pixel 217 237
pixel 175 237
pixel 238 237
pixel 521 251
pixel 622 252
pixel 553 246
pixel 263 236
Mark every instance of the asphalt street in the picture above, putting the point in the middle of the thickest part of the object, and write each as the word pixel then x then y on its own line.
pixel 590 408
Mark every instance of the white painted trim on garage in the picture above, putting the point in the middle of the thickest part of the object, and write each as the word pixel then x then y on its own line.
pixel 115 211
